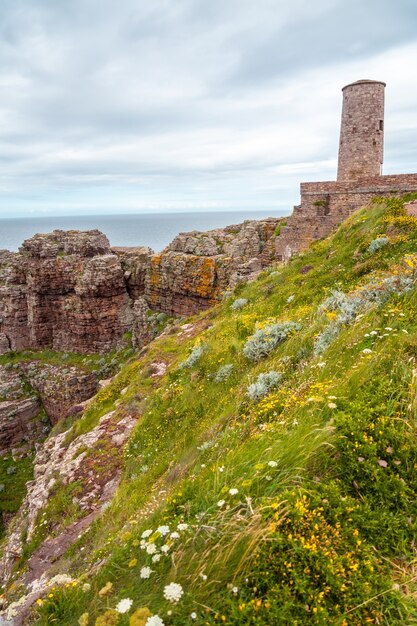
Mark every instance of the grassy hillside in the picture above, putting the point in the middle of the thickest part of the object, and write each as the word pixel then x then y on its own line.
pixel 272 472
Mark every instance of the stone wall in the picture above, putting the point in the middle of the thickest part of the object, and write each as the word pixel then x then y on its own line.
pixel 324 205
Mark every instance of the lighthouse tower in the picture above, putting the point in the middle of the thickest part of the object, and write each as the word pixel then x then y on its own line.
pixel 361 146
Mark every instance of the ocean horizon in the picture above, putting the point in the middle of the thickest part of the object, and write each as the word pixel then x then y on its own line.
pixel 155 230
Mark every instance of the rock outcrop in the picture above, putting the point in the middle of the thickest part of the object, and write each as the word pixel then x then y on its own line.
pixel 68 290
pixel 18 411
pixel 60 387
pixel 196 268
pixel 92 461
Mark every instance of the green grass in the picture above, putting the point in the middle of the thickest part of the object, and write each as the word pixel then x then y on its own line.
pixel 322 527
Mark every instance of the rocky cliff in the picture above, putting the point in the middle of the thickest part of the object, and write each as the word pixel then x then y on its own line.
pixel 70 291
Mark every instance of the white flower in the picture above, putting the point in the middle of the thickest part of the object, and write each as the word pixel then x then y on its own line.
pixel 155 620
pixel 146 534
pixel 174 535
pixel 272 463
pixel 332 405
pixel 124 605
pixel 221 469
pixel 163 530
pixel 290 299
pixel 193 615
pixel 151 548
pixel 220 503
pixel 321 364
pixel 165 548
pixel 182 527
pixel 367 351
pixel 268 477
pixel 173 592
pixel 388 328
pixel 295 422
pixel 233 491
pixel 86 587
pixel 145 572
pixel 373 332
pixel 156 558
pixel 235 590
pixel 203 576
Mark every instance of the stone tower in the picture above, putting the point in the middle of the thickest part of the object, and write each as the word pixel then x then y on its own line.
pixel 361 144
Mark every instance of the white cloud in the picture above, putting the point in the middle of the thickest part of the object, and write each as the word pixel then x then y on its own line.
pixel 190 104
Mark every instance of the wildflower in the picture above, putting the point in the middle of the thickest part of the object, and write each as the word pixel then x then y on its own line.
pixel 235 590
pixel 84 619
pixel 174 535
pixel 221 468
pixel 146 533
pixel 133 563
pixel 151 548
pixel 193 615
pixel 173 592
pixel 367 351
pixel 233 491
pixel 268 478
pixel 140 616
pixel 165 548
pixel 272 463
pixel 373 332
pixel 295 422
pixel 321 364
pixel 124 605
pixel 155 620
pixel 156 558
pixel 182 527
pixel 39 601
pixel 145 572
pixel 332 405
pixel 104 591
pixel 290 299
pixel 220 503
pixel 163 530
pixel 203 576
pixel 86 587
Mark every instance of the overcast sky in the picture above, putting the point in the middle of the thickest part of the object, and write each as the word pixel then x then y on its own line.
pixel 156 105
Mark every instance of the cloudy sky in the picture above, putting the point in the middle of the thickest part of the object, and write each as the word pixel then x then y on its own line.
pixel 156 105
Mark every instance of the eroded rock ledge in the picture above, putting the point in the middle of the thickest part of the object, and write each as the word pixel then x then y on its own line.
pixel 70 291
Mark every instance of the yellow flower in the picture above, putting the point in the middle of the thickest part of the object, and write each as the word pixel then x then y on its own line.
pixel 133 563
pixel 84 619
pixel 140 617
pixel 104 591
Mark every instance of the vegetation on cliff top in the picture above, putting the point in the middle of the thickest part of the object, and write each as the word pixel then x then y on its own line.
pixel 292 505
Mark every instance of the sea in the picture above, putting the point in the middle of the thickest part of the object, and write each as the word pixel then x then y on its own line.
pixel 155 230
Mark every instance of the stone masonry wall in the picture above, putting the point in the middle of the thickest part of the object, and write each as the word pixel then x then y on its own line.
pixel 361 144
pixel 324 205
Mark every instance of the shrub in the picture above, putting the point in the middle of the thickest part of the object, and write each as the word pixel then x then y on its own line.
pixel 194 357
pixel 351 305
pixel 238 304
pixel 266 339
pixel 263 385
pixel 223 373
pixel 377 244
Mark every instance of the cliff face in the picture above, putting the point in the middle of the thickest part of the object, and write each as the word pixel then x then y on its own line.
pixel 70 291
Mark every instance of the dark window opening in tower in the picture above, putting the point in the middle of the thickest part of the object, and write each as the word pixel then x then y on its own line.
pixel 381 124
